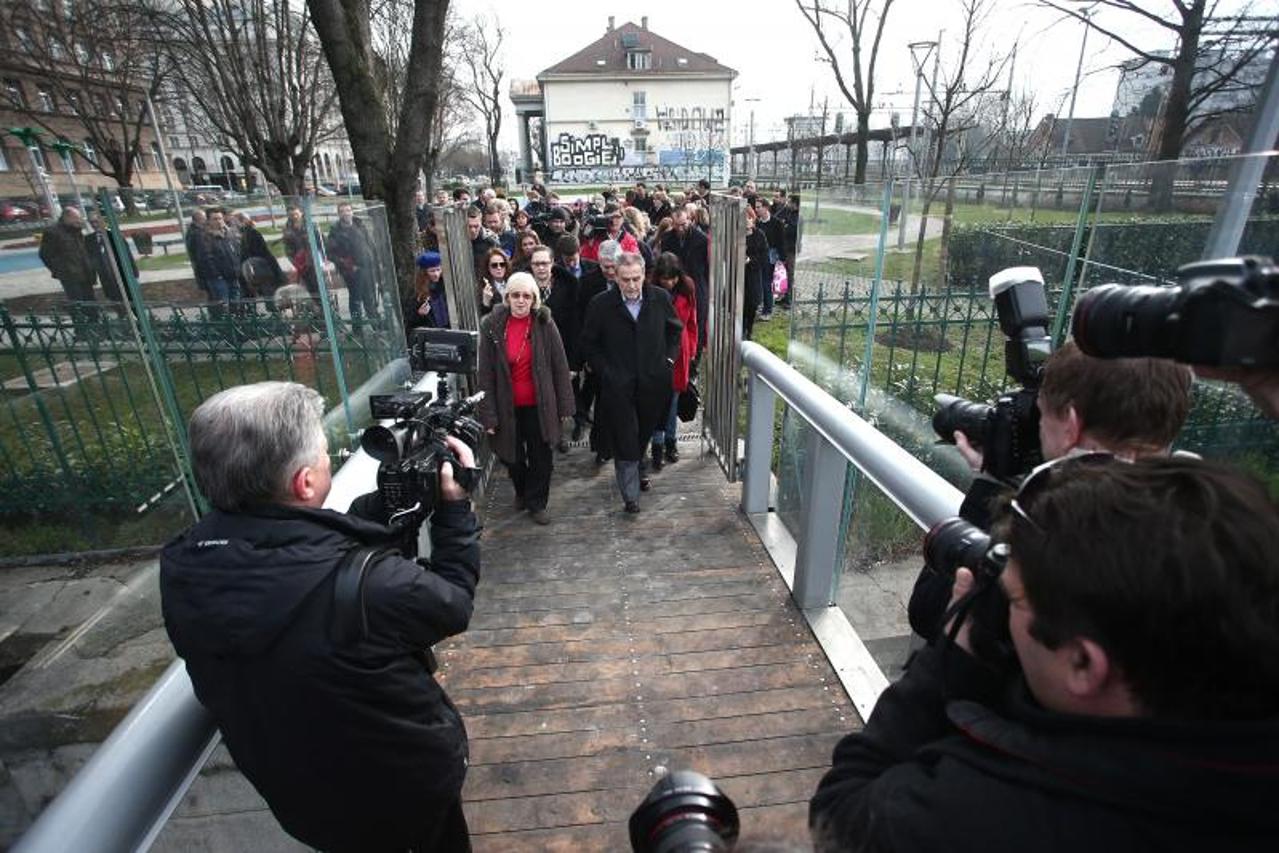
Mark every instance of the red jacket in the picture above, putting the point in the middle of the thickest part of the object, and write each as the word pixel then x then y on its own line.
pixel 686 310
pixel 591 248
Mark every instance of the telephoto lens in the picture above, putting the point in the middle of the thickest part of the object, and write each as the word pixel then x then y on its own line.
pixel 684 811
pixel 1127 321
pixel 955 414
pixel 952 543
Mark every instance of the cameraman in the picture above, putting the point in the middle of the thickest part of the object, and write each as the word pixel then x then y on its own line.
pixel 350 740
pixel 1131 407
pixel 1144 610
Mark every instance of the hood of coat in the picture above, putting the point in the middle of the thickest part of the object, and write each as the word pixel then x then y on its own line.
pixel 233 582
pixel 1222 773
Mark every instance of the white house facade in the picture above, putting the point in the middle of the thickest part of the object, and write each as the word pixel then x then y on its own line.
pixel 631 106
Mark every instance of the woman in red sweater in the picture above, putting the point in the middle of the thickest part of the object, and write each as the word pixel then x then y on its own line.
pixel 524 375
pixel 668 274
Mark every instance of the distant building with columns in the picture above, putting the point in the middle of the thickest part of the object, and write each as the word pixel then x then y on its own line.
pixel 630 106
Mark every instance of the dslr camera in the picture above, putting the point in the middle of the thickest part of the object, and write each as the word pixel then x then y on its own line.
pixel 411 449
pixel 1221 313
pixel 684 812
pixel 1007 431
pixel 954 542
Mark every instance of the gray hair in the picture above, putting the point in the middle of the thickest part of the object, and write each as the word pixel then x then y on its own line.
pixel 247 442
pixel 631 259
pixel 610 250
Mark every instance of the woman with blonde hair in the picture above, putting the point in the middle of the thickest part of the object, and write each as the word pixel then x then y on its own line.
pixel 523 372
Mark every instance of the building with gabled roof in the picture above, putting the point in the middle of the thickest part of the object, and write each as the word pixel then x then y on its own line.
pixel 630 106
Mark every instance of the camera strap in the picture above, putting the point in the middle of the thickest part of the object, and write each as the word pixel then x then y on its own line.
pixel 350 619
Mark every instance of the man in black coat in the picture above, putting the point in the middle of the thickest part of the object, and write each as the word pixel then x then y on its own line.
pixel 62 249
pixel 345 734
pixel 106 263
pixel 262 272
pixel 631 338
pixel 1141 601
pixel 693 250
pixel 351 251
pixel 596 279
pixel 775 233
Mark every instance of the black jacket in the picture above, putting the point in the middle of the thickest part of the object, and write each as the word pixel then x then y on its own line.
pixel 351 746
pixel 931 774
pixel 253 246
pixel 634 360
pixel 562 300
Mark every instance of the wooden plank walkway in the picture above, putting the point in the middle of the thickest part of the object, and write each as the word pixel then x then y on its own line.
pixel 605 647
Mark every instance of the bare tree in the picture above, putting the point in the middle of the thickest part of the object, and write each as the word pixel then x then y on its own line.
pixel 481 45
pixel 824 17
pixel 98 63
pixel 388 162
pixel 253 69
pixel 962 97
pixel 1213 50
pixel 391 28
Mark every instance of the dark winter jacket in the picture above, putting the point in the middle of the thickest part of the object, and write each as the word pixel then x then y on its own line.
pixel 349 248
pixel 935 771
pixel 693 250
pixel 253 247
pixel 217 256
pixel 550 379
pixel 106 266
pixel 349 744
pixel 62 250
pixel 775 233
pixel 562 300
pixel 633 359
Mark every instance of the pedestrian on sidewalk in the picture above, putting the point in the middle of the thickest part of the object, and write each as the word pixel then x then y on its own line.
pixel 523 372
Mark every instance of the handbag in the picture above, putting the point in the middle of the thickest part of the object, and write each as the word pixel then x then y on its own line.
pixel 689 401
pixel 781 286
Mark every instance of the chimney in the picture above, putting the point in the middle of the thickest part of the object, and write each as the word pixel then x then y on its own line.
pixel 644 23
pixel 610 24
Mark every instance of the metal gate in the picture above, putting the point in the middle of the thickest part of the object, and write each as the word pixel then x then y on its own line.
pixel 721 363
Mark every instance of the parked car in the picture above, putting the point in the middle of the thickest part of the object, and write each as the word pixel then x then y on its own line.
pixel 326 191
pixel 38 207
pixel 11 212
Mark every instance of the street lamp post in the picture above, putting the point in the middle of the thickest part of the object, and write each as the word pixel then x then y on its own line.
pixel 164 156
pixel 30 138
pixel 914 120
pixel 1079 67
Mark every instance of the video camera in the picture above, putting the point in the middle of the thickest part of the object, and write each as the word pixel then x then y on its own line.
pixel 411 450
pixel 1221 313
pixel 1008 431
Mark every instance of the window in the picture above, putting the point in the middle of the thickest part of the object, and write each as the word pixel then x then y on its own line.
pixel 107 62
pixel 639 105
pixel 82 53
pixel 4 159
pixel 47 103
pixel 639 144
pixel 88 153
pixel 639 60
pixel 74 101
pixel 13 92
pixel 37 153
pixel 58 48
pixel 121 108
pixel 101 107
pixel 175 141
pixel 156 157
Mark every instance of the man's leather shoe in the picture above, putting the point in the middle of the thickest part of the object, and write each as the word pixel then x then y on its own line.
pixel 539 516
pixel 632 506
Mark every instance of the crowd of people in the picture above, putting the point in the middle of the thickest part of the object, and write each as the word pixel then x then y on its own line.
pixel 622 288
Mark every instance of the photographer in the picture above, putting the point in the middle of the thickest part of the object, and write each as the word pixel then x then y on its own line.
pixel 1142 604
pixel 1130 407
pixel 344 733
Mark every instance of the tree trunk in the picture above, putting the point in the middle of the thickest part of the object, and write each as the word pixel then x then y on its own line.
pixel 919 241
pixel 944 253
pixel 1176 112
pixel 863 146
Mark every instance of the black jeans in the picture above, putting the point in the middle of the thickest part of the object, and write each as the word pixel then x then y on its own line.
pixel 448 833
pixel 531 471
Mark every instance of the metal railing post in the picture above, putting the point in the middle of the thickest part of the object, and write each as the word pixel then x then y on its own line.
pixel 759 445
pixel 818 546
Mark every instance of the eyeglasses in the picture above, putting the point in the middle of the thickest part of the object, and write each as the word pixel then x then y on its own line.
pixel 1038 479
pixel 497 265
pixel 517 295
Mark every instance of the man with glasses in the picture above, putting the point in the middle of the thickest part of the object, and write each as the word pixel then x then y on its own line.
pixel 1130 407
pixel 559 293
pixel 1143 608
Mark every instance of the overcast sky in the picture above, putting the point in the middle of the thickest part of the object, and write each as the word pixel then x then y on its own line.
pixel 774 51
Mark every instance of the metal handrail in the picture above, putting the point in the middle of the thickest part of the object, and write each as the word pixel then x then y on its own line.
pixel 922 493
pixel 123 796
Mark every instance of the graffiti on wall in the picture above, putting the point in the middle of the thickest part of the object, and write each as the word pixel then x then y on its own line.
pixel 594 149
pixel 627 174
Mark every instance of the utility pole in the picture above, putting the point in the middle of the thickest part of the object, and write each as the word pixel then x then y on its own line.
pixel 164 155
pixel 1079 67
pixel 821 151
